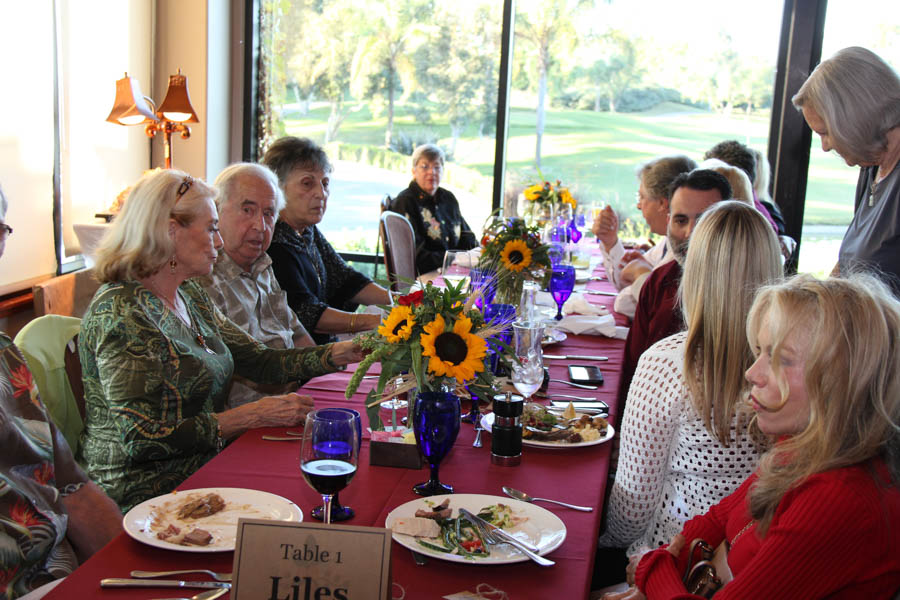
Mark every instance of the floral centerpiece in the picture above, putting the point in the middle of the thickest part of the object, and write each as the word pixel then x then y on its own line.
pixel 514 252
pixel 544 201
pixel 433 339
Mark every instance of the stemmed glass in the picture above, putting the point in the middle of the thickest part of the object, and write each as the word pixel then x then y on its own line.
pixel 562 282
pixel 528 368
pixel 330 453
pixel 435 426
pixel 457 265
pixel 339 512
pixel 483 281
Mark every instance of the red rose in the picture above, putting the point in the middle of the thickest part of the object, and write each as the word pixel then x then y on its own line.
pixel 411 299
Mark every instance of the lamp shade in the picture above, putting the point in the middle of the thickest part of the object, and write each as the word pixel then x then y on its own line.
pixel 130 107
pixel 177 104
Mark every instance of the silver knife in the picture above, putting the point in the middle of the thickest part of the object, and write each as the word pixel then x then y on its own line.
pixel 116 582
pixel 601 293
pixel 523 547
pixel 574 357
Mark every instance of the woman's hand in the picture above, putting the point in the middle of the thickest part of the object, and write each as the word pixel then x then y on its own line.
pixel 631 593
pixel 285 410
pixel 344 353
pixel 676 545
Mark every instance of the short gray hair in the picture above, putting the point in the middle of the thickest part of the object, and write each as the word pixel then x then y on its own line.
pixel 658 174
pixel 431 152
pixel 290 152
pixel 857 94
pixel 232 174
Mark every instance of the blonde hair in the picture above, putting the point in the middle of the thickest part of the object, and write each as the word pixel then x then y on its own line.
pixel 850 329
pixel 857 94
pixel 741 187
pixel 138 243
pixel 732 252
pixel 761 180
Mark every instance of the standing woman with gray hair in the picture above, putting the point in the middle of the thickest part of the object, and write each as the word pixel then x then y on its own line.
pixel 852 100
pixel 433 211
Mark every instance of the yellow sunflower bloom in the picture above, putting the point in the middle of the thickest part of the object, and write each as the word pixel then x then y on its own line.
pixel 516 255
pixel 458 353
pixel 566 196
pixel 533 192
pixel 398 325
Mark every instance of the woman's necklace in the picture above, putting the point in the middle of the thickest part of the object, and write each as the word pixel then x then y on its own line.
pixel 739 534
pixel 187 322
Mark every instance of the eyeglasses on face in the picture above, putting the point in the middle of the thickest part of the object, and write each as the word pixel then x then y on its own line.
pixel 426 167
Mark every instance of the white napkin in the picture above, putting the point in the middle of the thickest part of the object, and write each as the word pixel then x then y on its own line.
pixel 544 299
pixel 589 325
pixel 577 304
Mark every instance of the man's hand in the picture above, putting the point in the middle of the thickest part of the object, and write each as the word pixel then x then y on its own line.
pixel 606 227
pixel 633 270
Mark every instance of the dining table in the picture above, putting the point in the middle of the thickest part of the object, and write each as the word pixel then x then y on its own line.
pixel 577 475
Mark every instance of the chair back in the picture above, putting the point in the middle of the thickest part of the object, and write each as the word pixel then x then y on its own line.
pixel 399 248
pixel 47 343
pixel 68 294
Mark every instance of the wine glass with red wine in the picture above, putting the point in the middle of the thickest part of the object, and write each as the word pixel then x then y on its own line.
pixel 329 454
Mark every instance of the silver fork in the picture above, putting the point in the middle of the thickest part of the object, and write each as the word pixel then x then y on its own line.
pixel 151 574
pixel 478 430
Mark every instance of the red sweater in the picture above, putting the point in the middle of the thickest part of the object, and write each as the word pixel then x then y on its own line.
pixel 835 536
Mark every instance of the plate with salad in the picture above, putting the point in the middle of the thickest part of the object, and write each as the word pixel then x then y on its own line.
pixel 433 527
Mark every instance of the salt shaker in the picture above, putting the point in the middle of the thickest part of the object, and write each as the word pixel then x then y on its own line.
pixel 506 432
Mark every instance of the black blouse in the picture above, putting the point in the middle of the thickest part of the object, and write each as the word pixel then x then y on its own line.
pixel 437 223
pixel 313 275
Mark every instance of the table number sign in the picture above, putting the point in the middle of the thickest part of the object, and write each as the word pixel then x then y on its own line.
pixel 275 560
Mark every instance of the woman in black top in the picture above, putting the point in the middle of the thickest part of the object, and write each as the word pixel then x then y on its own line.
pixel 321 288
pixel 432 211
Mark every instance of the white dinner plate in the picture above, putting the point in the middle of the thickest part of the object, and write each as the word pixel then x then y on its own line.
pixel 542 528
pixel 239 503
pixel 553 336
pixel 487 421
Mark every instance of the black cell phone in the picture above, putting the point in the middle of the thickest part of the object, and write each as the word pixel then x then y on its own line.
pixel 585 374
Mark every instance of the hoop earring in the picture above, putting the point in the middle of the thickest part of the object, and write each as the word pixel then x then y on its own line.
pixel 172 264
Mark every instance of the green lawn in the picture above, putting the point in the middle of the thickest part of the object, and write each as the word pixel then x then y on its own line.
pixel 597 153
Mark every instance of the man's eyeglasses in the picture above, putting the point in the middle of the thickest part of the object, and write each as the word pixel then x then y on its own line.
pixel 186 184
pixel 5 231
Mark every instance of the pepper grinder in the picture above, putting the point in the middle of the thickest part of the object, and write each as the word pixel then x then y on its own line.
pixel 506 432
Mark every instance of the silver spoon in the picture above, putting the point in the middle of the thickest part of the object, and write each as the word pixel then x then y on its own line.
pixel 151 574
pixel 207 595
pixel 514 493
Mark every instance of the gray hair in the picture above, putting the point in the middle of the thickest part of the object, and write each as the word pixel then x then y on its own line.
pixel 289 153
pixel 658 174
pixel 857 94
pixel 431 152
pixel 232 174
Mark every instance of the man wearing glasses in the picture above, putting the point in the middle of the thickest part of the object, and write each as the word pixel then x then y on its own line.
pixel 433 211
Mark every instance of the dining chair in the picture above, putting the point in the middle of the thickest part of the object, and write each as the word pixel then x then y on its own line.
pixel 385 206
pixel 399 249
pixel 68 294
pixel 49 344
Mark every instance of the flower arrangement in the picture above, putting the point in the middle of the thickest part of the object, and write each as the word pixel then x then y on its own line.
pixel 547 193
pixel 433 338
pixel 514 251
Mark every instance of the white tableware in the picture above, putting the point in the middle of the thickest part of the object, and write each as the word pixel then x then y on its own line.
pixel 487 421
pixel 542 528
pixel 553 336
pixel 239 502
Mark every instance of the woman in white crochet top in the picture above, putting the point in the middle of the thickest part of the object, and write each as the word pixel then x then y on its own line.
pixel 685 443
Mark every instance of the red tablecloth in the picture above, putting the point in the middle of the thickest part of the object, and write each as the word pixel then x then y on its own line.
pixel 574 475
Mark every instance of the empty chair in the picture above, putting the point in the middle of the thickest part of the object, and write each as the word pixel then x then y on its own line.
pixel 68 294
pixel 399 249
pixel 45 342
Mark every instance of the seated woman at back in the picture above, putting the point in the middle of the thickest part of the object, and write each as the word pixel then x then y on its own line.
pixel 321 288
pixel 158 356
pixel 685 443
pixel 433 211
pixel 820 517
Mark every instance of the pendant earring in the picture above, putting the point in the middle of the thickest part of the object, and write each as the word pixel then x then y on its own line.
pixel 172 264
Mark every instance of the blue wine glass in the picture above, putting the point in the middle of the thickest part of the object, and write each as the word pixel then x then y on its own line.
pixel 435 426
pixel 329 454
pixel 574 233
pixel 485 282
pixel 503 315
pixel 339 512
pixel 562 281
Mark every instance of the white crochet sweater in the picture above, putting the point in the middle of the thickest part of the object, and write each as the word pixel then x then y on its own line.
pixel 670 467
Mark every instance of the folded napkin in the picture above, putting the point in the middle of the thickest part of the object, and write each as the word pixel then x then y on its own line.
pixel 577 304
pixel 544 299
pixel 588 325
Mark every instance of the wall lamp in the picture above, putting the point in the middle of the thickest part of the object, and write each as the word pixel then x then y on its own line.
pixel 131 107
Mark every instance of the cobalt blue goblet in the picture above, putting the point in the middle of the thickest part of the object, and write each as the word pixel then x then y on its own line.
pixel 485 282
pixel 339 512
pixel 499 314
pixel 435 426
pixel 562 281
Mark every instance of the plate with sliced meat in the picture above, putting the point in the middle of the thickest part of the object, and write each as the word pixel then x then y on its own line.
pixel 203 520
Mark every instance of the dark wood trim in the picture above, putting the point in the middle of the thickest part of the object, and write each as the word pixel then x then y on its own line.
pixel 504 83
pixel 15 303
pixel 251 87
pixel 800 50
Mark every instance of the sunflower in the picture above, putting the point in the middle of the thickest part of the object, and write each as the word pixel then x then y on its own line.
pixel 458 353
pixel 566 196
pixel 398 325
pixel 516 255
pixel 533 192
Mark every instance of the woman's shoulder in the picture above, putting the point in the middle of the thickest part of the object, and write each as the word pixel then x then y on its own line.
pixel 668 349
pixel 863 489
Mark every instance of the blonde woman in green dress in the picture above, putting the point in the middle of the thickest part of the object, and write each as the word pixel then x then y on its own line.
pixel 158 356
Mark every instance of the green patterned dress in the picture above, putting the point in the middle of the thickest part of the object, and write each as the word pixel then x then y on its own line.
pixel 152 390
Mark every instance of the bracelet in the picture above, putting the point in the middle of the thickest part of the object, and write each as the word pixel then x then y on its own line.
pixel 353 323
pixel 220 437
pixel 71 488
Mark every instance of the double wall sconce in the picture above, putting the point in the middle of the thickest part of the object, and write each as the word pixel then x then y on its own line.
pixel 133 108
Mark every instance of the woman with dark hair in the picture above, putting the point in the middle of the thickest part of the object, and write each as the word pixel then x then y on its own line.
pixel 852 101
pixel 322 289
